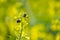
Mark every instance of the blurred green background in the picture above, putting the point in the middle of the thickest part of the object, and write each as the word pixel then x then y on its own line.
pixel 29 19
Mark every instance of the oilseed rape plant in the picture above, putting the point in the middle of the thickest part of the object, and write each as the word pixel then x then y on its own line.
pixel 29 19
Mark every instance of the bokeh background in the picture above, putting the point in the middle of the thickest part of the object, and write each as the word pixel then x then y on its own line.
pixel 29 19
